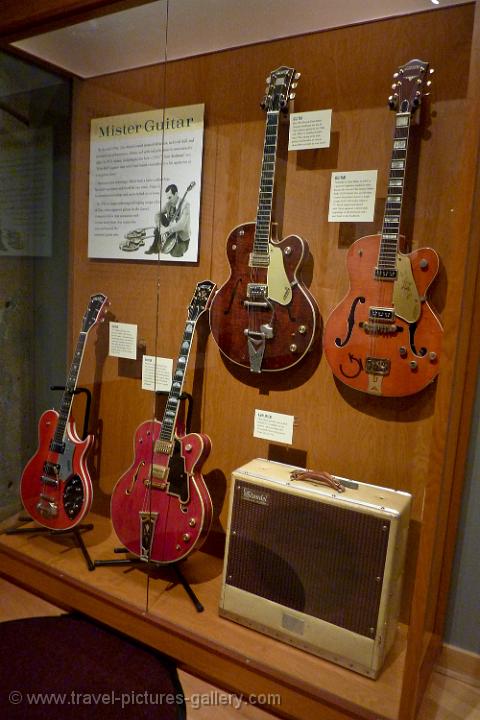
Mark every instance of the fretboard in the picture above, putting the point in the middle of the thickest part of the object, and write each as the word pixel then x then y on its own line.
pixel 260 254
pixel 387 257
pixel 171 408
pixel 67 397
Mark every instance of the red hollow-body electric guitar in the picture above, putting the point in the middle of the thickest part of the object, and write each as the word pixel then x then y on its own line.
pixel 263 318
pixel 55 487
pixel 161 508
pixel 384 338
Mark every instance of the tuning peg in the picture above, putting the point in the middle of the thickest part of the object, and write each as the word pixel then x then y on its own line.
pixel 268 80
pixel 292 96
pixel 392 101
pixel 294 85
pixel 297 75
pixel 431 71
pixel 395 75
pixel 428 83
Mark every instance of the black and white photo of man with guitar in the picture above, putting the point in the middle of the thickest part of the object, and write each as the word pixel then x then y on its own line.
pixel 172 224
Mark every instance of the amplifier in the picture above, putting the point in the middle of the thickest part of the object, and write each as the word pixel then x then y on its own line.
pixel 315 567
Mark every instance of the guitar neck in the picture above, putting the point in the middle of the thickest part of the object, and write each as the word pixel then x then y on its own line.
pixel 67 398
pixel 172 406
pixel 387 258
pixel 260 254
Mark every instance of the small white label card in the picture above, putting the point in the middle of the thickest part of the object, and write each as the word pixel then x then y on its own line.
pixel 352 196
pixel 123 340
pixel 273 426
pixel 309 130
pixel 156 373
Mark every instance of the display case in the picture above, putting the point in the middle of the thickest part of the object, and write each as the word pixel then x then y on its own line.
pixel 414 441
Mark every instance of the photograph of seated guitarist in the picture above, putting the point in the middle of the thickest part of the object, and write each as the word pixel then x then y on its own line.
pixel 172 225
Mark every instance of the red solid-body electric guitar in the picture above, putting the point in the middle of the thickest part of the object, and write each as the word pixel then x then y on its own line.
pixel 384 338
pixel 55 487
pixel 263 318
pixel 161 508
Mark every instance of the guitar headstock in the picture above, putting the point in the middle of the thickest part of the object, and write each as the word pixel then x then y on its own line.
pixel 97 307
pixel 278 93
pixel 202 297
pixel 411 84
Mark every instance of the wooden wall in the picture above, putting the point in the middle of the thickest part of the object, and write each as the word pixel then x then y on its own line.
pixel 400 443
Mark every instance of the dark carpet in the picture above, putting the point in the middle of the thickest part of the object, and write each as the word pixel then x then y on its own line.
pixel 55 668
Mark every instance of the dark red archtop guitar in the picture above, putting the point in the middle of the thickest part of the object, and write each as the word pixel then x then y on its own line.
pixel 263 318
pixel 161 508
pixel 55 487
pixel 384 338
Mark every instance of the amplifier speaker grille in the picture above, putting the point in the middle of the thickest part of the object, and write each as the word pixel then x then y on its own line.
pixel 322 560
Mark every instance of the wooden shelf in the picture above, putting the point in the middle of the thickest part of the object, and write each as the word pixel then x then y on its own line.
pixel 156 610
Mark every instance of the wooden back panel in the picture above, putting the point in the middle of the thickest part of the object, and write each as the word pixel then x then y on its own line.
pixel 397 442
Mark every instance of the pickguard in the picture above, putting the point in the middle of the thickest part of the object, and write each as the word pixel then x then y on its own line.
pixel 178 477
pixel 65 460
pixel 406 299
pixel 279 289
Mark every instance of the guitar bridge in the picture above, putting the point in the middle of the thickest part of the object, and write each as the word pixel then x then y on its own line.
pixel 47 507
pixel 52 482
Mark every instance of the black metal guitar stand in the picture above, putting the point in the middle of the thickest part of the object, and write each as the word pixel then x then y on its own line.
pixel 138 561
pixel 76 531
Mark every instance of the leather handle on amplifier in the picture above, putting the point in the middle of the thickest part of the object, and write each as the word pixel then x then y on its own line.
pixel 320 478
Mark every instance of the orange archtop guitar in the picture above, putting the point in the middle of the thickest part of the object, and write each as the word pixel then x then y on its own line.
pixel 384 338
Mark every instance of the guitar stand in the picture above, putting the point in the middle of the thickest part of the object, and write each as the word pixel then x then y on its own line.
pixel 76 530
pixel 136 561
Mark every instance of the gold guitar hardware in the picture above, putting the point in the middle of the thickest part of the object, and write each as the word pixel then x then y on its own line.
pixel 186 537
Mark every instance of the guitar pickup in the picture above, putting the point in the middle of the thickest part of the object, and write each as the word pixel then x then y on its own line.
pixel 381 314
pixel 164 447
pixel 385 274
pixel 58 447
pixel 160 472
pixel 50 468
pixel 377 366
pixel 256 291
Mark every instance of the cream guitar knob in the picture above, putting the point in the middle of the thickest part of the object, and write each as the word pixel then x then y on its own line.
pixel 186 537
